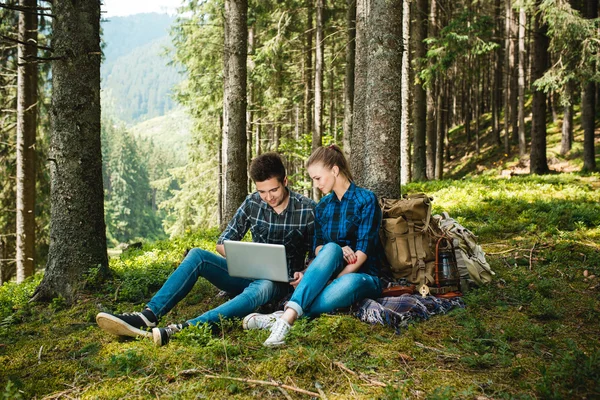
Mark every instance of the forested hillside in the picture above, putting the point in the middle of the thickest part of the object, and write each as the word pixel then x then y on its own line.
pixel 137 80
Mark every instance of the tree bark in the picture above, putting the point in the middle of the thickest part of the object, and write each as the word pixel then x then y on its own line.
pixel 538 160
pixel 521 81
pixel 507 79
pixel 497 95
pixel 567 124
pixel 382 144
pixel 359 117
pixel 234 106
pixel 431 106
pixel 514 92
pixel 420 96
pixel 588 105
pixel 349 79
pixel 308 69
pixel 26 137
pixel 77 229
pixel 319 65
pixel 405 94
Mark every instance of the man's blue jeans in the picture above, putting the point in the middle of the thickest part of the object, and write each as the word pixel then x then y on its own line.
pixel 313 296
pixel 250 294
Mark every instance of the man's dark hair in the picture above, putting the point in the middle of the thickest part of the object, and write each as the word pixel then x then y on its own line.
pixel 267 166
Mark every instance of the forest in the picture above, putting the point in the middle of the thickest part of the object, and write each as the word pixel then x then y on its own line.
pixel 489 106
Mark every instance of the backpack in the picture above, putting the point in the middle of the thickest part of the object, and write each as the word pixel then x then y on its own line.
pixel 470 257
pixel 408 238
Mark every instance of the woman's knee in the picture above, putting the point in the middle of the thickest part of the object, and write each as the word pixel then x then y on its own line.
pixel 332 248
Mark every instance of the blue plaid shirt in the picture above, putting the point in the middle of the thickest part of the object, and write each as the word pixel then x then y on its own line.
pixel 354 221
pixel 294 227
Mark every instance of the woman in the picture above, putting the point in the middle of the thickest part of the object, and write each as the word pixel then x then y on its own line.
pixel 346 245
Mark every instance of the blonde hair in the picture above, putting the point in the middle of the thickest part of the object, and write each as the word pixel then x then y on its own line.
pixel 329 157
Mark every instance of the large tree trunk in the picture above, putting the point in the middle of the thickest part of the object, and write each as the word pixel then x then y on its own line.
pixel 77 229
pixel 538 160
pixel 405 94
pixel 431 106
pixel 588 105
pixel 250 102
pixel 521 82
pixel 234 106
pixel 420 98
pixel 507 78
pixel 359 117
pixel 514 92
pixel 497 95
pixel 26 135
pixel 308 69
pixel 319 65
pixel 349 82
pixel 382 144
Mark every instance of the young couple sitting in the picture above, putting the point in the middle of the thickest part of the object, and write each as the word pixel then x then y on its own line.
pixel 341 231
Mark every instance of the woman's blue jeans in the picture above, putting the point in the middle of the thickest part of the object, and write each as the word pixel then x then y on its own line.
pixel 250 294
pixel 313 296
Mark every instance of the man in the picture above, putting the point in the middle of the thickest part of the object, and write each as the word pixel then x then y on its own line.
pixel 273 214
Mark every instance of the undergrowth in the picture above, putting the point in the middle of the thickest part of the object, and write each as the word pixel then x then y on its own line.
pixel 531 334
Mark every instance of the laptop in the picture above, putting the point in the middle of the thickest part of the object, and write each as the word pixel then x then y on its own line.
pixel 256 260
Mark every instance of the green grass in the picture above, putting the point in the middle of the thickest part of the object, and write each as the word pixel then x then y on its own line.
pixel 532 334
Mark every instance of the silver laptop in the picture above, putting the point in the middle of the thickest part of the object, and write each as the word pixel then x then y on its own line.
pixel 256 260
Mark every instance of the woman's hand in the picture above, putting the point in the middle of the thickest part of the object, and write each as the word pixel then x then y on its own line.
pixel 349 255
pixel 297 278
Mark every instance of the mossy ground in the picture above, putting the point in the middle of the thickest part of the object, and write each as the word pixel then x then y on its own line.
pixel 532 334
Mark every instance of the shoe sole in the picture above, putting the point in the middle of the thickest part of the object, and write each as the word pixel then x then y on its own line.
pixel 157 337
pixel 118 327
pixel 274 344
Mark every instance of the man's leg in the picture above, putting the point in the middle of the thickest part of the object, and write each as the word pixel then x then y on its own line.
pixel 197 263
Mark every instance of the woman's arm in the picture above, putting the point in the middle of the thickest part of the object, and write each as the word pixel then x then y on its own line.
pixel 360 260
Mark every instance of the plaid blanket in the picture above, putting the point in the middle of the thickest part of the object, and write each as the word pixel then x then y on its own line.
pixel 399 311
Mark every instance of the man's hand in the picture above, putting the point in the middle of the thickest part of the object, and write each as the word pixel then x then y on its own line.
pixel 349 255
pixel 297 278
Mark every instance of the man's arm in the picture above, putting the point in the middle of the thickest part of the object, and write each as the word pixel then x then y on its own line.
pixel 221 250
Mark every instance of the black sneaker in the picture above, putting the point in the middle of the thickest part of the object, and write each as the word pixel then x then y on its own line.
pixel 161 336
pixel 128 324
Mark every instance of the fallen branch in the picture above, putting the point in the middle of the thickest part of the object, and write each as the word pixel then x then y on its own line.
pixel 530 257
pixel 360 375
pixel 266 383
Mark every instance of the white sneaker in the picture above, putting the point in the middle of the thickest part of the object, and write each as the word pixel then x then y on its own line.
pixel 260 321
pixel 279 331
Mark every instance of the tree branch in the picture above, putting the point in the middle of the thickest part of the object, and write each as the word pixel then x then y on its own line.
pixel 267 383
pixel 28 10
pixel 25 43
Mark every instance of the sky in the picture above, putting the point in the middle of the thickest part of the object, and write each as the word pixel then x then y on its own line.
pixel 121 8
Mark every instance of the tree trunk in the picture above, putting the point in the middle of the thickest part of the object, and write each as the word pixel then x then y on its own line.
pixel 382 150
pixel 405 93
pixel 420 97
pixel 250 102
pixel 77 229
pixel 588 105
pixel 567 124
pixel 349 79
pixel 234 106
pixel 439 153
pixel 359 116
pixel 308 68
pixel 521 82
pixel 431 106
pixel 26 136
pixel 507 79
pixel 538 160
pixel 497 95
pixel 514 100
pixel 319 65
